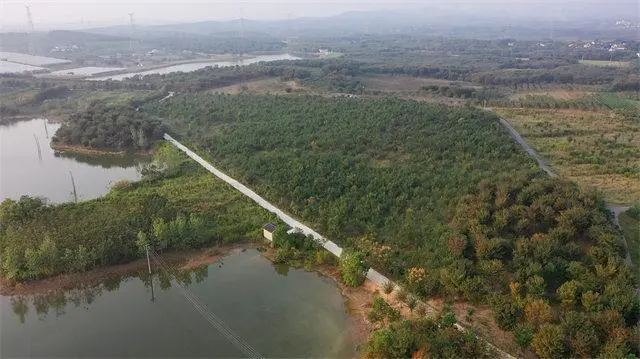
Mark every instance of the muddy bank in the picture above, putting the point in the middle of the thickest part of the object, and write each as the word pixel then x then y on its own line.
pixel 184 260
pixel 97 152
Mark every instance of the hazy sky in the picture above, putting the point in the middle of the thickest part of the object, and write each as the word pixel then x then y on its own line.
pixel 47 12
pixel 84 13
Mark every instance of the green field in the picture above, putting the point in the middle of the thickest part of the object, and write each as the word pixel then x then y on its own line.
pixel 605 63
pixel 597 149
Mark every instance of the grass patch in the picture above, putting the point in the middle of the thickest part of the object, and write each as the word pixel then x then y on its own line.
pixel 596 149
pixel 262 86
pixel 605 63
pixel 388 83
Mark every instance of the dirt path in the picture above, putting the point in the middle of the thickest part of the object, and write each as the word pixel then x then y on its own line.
pixel 615 209
pixel 541 162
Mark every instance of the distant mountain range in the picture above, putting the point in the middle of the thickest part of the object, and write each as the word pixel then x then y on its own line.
pixel 440 19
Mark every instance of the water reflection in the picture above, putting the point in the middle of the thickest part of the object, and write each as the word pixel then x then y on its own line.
pixel 54 302
pixel 303 314
pixel 103 160
pixel 31 167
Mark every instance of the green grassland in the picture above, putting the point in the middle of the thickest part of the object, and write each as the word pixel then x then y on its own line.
pixel 597 149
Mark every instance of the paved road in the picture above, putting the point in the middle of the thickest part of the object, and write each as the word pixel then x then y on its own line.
pixel 372 274
pixel 170 95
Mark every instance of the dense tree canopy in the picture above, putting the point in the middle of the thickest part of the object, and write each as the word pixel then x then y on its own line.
pixel 352 166
pixel 533 246
pixel 108 127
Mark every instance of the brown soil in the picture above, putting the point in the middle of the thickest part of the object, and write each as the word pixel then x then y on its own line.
pixel 94 151
pixel 190 258
pixel 261 86
pixel 406 83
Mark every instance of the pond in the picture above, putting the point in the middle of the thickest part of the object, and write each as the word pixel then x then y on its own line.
pixel 197 66
pixel 29 166
pixel 280 313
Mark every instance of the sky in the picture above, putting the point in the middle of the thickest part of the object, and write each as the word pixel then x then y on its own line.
pixel 80 12
pixel 48 14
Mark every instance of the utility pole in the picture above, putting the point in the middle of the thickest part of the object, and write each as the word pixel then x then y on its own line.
pixel 148 261
pixel 153 296
pixel 73 184
pixel 38 147
pixel 131 33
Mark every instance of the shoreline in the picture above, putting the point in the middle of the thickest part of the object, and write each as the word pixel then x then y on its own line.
pixel 190 259
pixel 357 301
pixel 96 151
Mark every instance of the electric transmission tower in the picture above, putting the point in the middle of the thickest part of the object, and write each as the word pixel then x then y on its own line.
pixel 31 28
pixel 131 33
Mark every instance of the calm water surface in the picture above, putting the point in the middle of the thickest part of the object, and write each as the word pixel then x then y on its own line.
pixel 280 313
pixel 24 171
pixel 198 65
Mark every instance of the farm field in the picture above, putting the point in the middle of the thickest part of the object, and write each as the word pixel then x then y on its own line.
pixel 7 67
pixel 31 59
pixel 605 63
pixel 268 85
pixel 600 150
pixel 389 83
pixel 84 71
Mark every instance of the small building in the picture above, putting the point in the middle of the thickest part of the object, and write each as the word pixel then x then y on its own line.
pixel 268 230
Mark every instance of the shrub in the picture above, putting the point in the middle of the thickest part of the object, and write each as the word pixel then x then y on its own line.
pixel 388 287
pixel 353 268
pixel 402 295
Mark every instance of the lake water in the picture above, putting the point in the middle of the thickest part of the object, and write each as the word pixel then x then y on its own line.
pixel 280 313
pixel 198 65
pixel 23 171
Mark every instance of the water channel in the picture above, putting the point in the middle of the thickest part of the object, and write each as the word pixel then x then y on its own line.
pixel 198 65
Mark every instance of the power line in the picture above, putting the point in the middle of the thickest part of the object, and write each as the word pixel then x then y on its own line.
pixel 202 309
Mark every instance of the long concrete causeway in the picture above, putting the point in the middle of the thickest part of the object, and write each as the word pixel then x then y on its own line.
pixel 372 274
